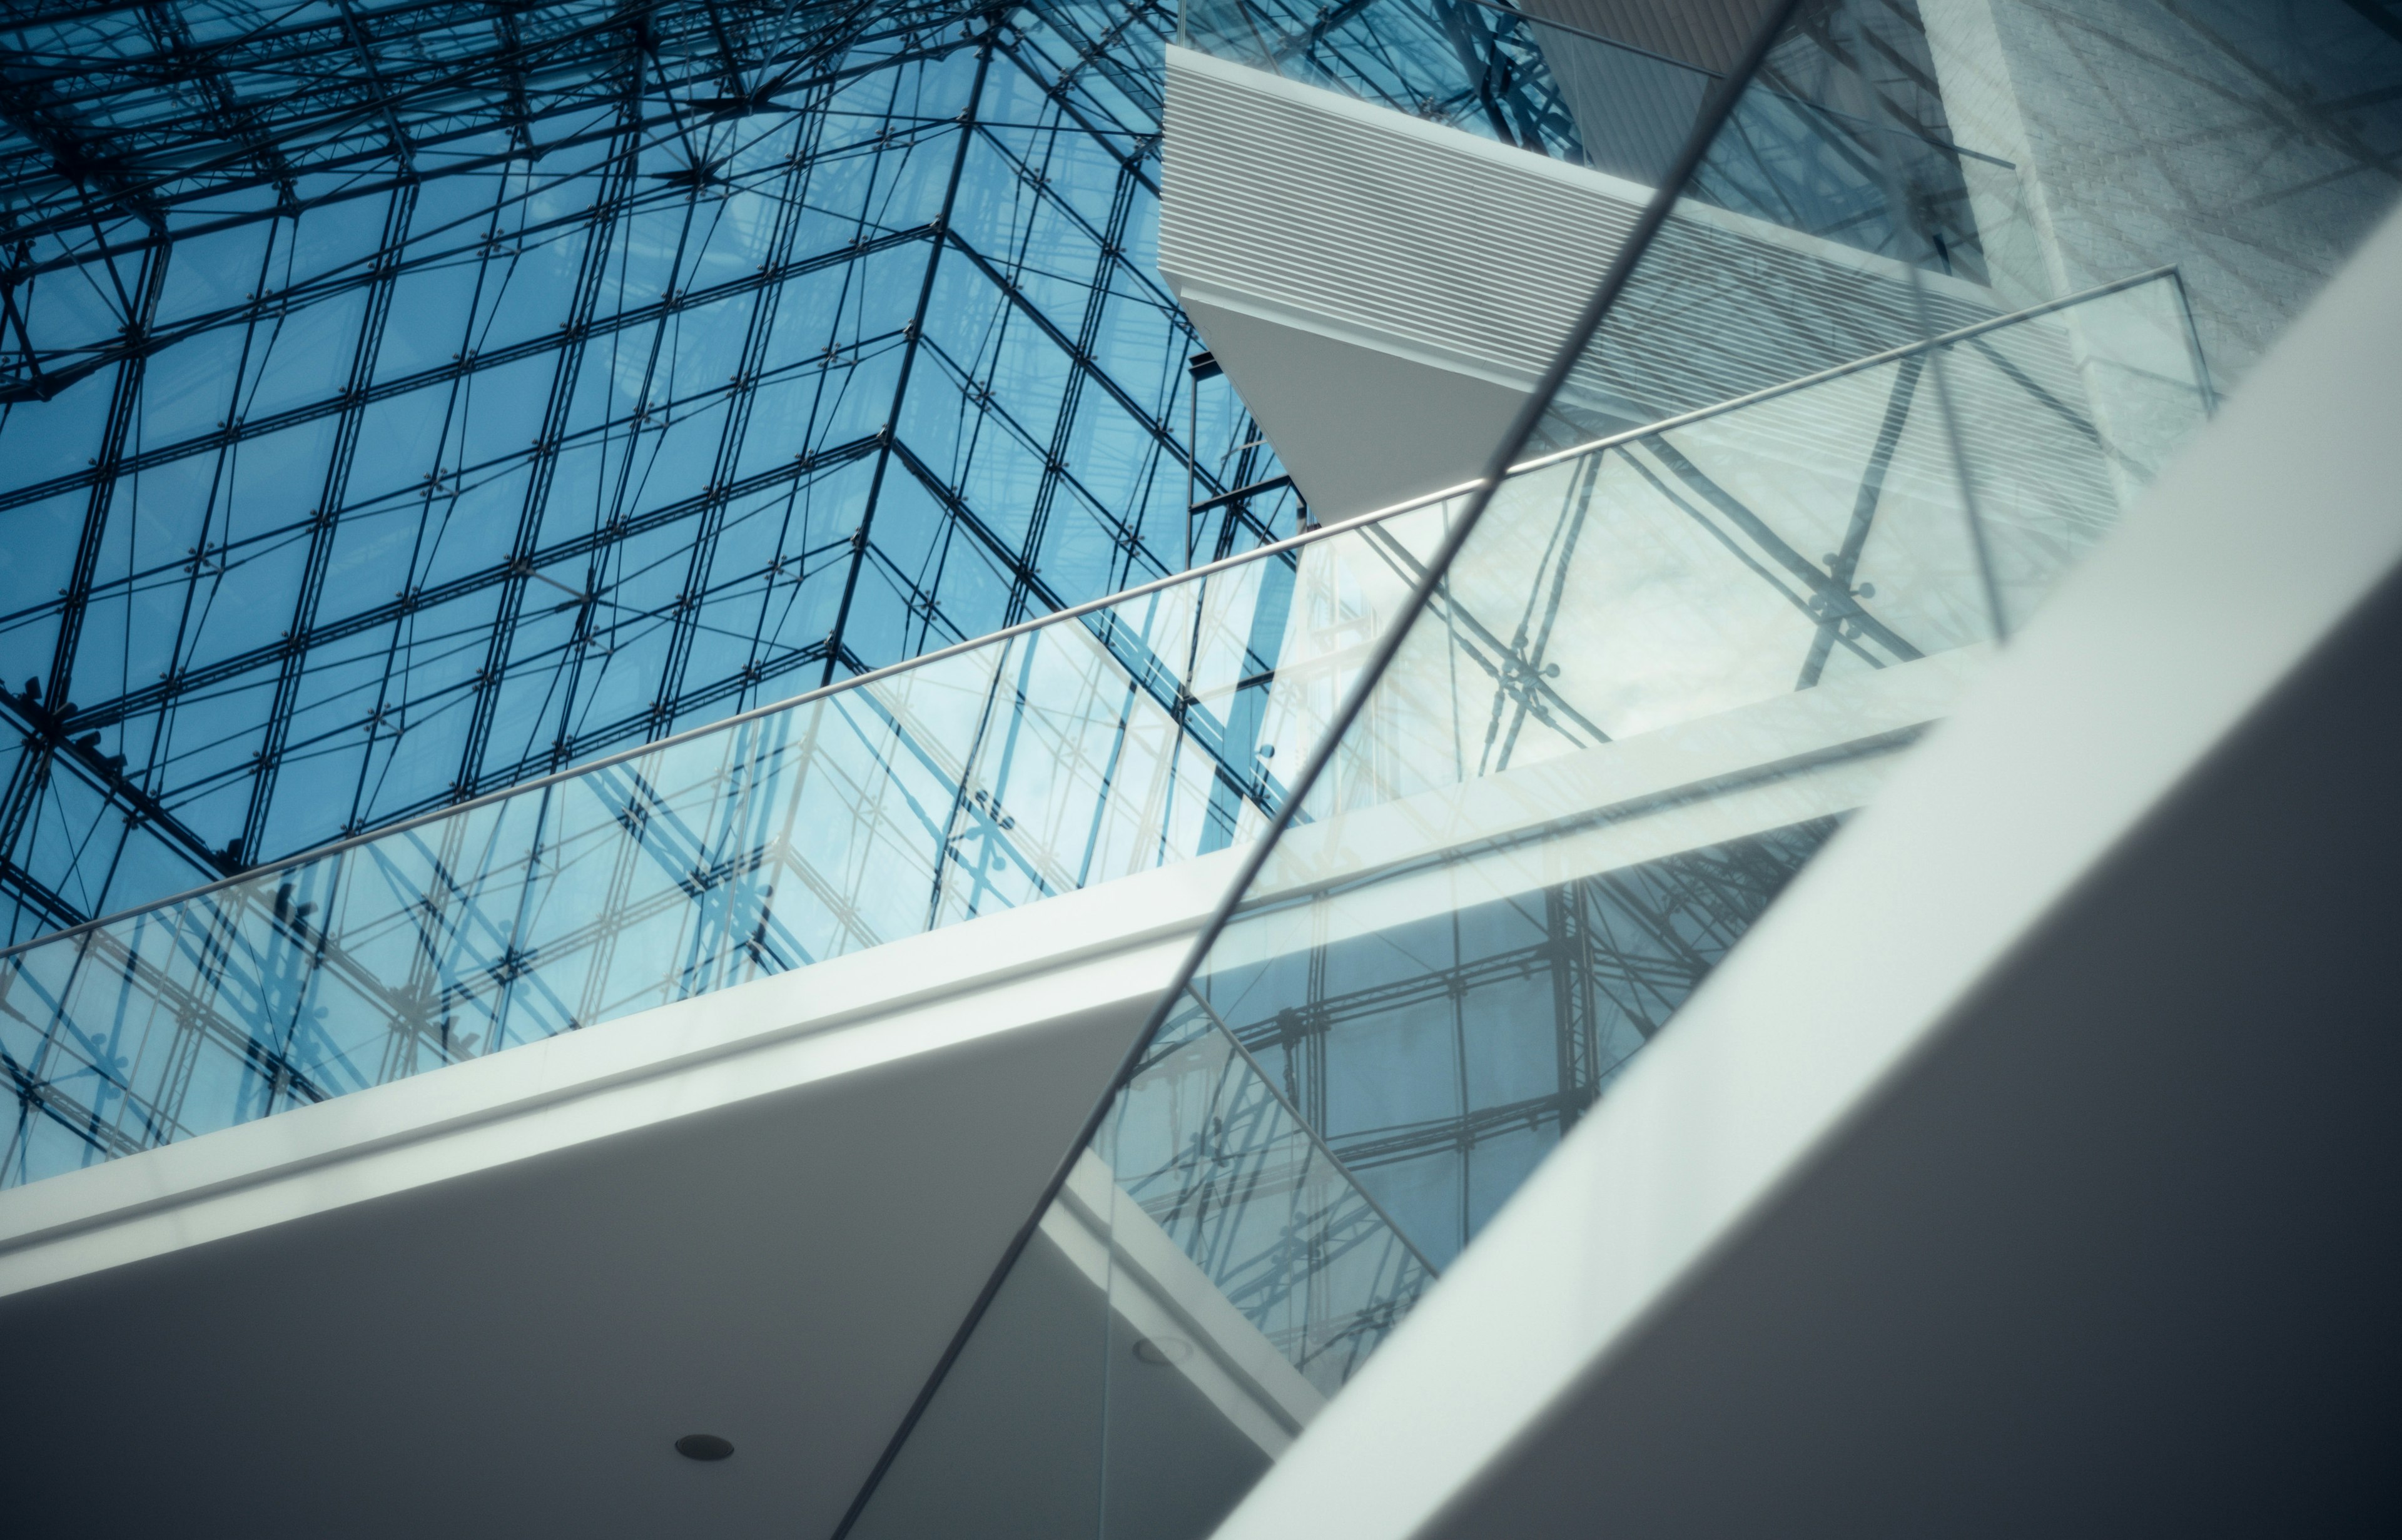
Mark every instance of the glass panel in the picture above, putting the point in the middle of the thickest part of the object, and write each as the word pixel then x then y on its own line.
pixel 1252 1276
pixel 1093 745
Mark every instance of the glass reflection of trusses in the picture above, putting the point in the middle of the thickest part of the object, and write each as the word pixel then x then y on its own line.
pixel 1441 1060
pixel 1844 113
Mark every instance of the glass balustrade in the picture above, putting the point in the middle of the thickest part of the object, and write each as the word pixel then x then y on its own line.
pixel 1092 744
pixel 1728 553
pixel 1662 671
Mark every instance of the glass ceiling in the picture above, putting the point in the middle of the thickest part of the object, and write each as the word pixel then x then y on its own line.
pixel 399 402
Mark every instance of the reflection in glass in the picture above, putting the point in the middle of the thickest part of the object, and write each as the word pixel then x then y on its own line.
pixel 1788 539
pixel 1444 1026
pixel 1205 1146
pixel 1206 1278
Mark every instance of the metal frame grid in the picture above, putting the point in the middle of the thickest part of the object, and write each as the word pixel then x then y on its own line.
pixel 401 402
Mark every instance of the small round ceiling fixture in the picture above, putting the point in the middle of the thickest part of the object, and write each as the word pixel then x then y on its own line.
pixel 703 1445
pixel 1163 1350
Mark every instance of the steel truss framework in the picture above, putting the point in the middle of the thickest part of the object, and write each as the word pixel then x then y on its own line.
pixel 401 402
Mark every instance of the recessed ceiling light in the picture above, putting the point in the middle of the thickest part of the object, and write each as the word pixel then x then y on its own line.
pixel 703 1445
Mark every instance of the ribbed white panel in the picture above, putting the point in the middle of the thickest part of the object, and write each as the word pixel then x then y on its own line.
pixel 1302 205
pixel 1363 275
pixel 1376 226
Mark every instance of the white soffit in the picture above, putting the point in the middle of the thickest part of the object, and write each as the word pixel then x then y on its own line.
pixel 1382 290
pixel 2032 1165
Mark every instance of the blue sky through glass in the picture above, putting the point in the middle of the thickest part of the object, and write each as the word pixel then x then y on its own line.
pixel 396 405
